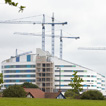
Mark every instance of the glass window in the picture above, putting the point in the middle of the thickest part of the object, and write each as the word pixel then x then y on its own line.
pixel 17 59
pixel 28 58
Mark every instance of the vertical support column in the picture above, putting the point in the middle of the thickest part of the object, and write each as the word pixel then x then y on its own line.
pixel 53 42
pixel 61 45
pixel 43 33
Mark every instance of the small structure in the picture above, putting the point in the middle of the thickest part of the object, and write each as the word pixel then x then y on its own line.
pixel 34 93
pixel 55 95
pixel 37 93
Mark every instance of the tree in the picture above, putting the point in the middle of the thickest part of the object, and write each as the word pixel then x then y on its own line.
pixel 1 79
pixel 29 85
pixel 14 91
pixel 92 95
pixel 10 2
pixel 76 83
pixel 71 95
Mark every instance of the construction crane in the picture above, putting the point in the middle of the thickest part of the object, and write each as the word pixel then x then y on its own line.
pixel 43 23
pixel 56 36
pixel 92 48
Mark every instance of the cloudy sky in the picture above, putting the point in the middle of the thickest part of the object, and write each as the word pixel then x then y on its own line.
pixel 86 19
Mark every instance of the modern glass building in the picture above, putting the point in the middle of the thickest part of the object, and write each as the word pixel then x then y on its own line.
pixel 49 73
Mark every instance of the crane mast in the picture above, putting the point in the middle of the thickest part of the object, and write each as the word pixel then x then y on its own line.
pixel 53 42
pixel 61 44
pixel 43 33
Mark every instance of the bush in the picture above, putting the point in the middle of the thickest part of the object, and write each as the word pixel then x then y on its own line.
pixel 14 91
pixel 71 95
pixel 29 85
pixel 92 95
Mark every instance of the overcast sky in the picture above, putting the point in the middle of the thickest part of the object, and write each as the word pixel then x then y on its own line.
pixel 86 19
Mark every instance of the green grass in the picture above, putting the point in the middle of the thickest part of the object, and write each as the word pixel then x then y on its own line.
pixel 49 102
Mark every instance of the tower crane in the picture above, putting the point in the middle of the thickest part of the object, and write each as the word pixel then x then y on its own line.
pixel 92 48
pixel 43 23
pixel 56 36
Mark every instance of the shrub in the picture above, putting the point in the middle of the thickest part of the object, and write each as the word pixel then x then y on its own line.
pixel 92 95
pixel 14 91
pixel 29 85
pixel 71 95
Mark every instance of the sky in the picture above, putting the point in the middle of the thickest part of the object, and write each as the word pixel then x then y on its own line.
pixel 86 19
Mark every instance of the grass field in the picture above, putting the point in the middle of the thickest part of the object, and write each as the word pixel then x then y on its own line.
pixel 49 102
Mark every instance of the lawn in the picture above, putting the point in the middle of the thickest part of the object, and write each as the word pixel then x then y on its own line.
pixel 49 102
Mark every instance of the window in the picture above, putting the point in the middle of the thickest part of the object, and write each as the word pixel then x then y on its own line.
pixel 17 59
pixel 28 58
pixel 93 85
pixel 103 88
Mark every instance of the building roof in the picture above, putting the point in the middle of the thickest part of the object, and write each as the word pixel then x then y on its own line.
pixel 51 95
pixel 35 92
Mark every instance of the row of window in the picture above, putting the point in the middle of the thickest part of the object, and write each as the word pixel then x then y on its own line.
pixel 73 76
pixel 19 66
pixel 28 58
pixel 18 71
pixel 28 80
pixel 70 80
pixel 83 85
pixel 70 70
pixel 65 65
pixel 18 76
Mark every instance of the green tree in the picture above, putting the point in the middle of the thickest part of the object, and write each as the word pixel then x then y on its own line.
pixel 71 95
pixel 29 85
pixel 1 79
pixel 10 2
pixel 14 91
pixel 76 83
pixel 92 95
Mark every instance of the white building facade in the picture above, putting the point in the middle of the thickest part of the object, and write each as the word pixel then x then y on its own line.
pixel 49 73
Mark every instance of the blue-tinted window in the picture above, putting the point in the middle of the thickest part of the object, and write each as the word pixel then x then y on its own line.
pixel 103 88
pixel 17 80
pixel 61 85
pixel 84 85
pixel 28 75
pixel 28 58
pixel 98 83
pixel 93 85
pixel 17 71
pixel 17 59
pixel 28 80
pixel 28 66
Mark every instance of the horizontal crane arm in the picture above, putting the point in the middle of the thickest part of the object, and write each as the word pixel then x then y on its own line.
pixel 19 22
pixel 30 22
pixel 33 34
pixel 71 37
pixel 92 48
